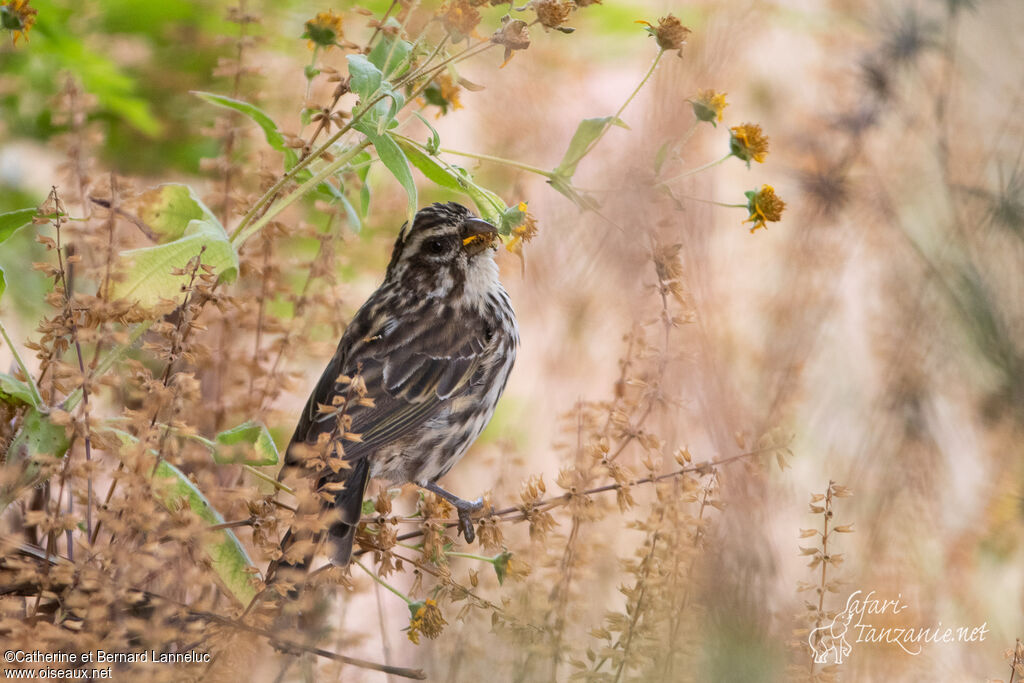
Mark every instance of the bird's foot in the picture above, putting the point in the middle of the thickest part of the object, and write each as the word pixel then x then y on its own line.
pixel 465 508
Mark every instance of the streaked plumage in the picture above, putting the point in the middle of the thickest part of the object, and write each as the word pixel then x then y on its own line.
pixel 434 345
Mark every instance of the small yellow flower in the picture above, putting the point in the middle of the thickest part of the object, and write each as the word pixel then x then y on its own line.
pixel 324 29
pixel 670 33
pixel 748 143
pixel 459 18
pixel 426 619
pixel 764 207
pixel 522 233
pixel 708 106
pixel 17 17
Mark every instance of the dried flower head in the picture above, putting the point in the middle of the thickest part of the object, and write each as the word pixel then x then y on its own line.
pixel 17 17
pixel 513 34
pixel 708 106
pixel 552 13
pixel 670 33
pixel 459 17
pixel 764 207
pixel 748 143
pixel 522 233
pixel 324 30
pixel 426 619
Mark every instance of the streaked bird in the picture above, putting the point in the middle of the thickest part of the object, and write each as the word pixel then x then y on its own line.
pixel 433 347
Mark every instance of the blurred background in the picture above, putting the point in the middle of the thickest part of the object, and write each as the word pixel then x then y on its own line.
pixel 871 338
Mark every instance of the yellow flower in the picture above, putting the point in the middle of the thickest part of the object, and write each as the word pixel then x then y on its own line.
pixel 748 143
pixel 324 29
pixel 426 619
pixel 17 17
pixel 764 207
pixel 708 106
pixel 522 233
pixel 443 92
pixel 670 33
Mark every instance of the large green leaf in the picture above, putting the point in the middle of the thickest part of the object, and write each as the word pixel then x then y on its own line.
pixel 39 440
pixel 586 133
pixel 229 560
pixel 488 204
pixel 12 220
pixel 186 228
pixel 14 391
pixel 364 76
pixel 239 445
pixel 257 115
pixel 394 159
pixel 168 209
pixel 391 55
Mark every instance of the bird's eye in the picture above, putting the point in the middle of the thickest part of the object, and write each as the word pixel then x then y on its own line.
pixel 436 246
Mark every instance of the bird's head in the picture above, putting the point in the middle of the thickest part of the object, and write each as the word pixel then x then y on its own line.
pixel 446 252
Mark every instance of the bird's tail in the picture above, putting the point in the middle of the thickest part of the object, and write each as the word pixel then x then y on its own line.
pixel 348 506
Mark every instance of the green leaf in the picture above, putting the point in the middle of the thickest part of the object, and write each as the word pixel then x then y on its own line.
pixel 174 213
pixel 257 115
pixel 588 131
pixel 364 76
pixel 431 167
pixel 229 560
pixel 14 392
pixel 394 53
pixel 488 204
pixel 248 438
pixel 394 159
pixel 368 507
pixel 39 440
pixel 228 557
pixel 562 185
pixel 12 220
pixel 354 223
pixel 168 209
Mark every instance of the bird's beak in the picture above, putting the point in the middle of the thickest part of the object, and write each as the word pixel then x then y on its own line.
pixel 477 235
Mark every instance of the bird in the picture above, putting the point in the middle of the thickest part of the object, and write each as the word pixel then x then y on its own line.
pixel 414 380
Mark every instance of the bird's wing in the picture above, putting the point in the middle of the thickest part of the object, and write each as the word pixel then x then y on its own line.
pixel 411 369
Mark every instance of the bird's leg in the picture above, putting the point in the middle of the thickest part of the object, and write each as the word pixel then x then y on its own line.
pixel 465 508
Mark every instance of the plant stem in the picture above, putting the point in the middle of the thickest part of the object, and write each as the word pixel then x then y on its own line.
pixel 499 160
pixel 689 173
pixel 116 354
pixel 647 76
pixel 382 582
pixel 37 398
pixel 243 234
pixel 470 556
